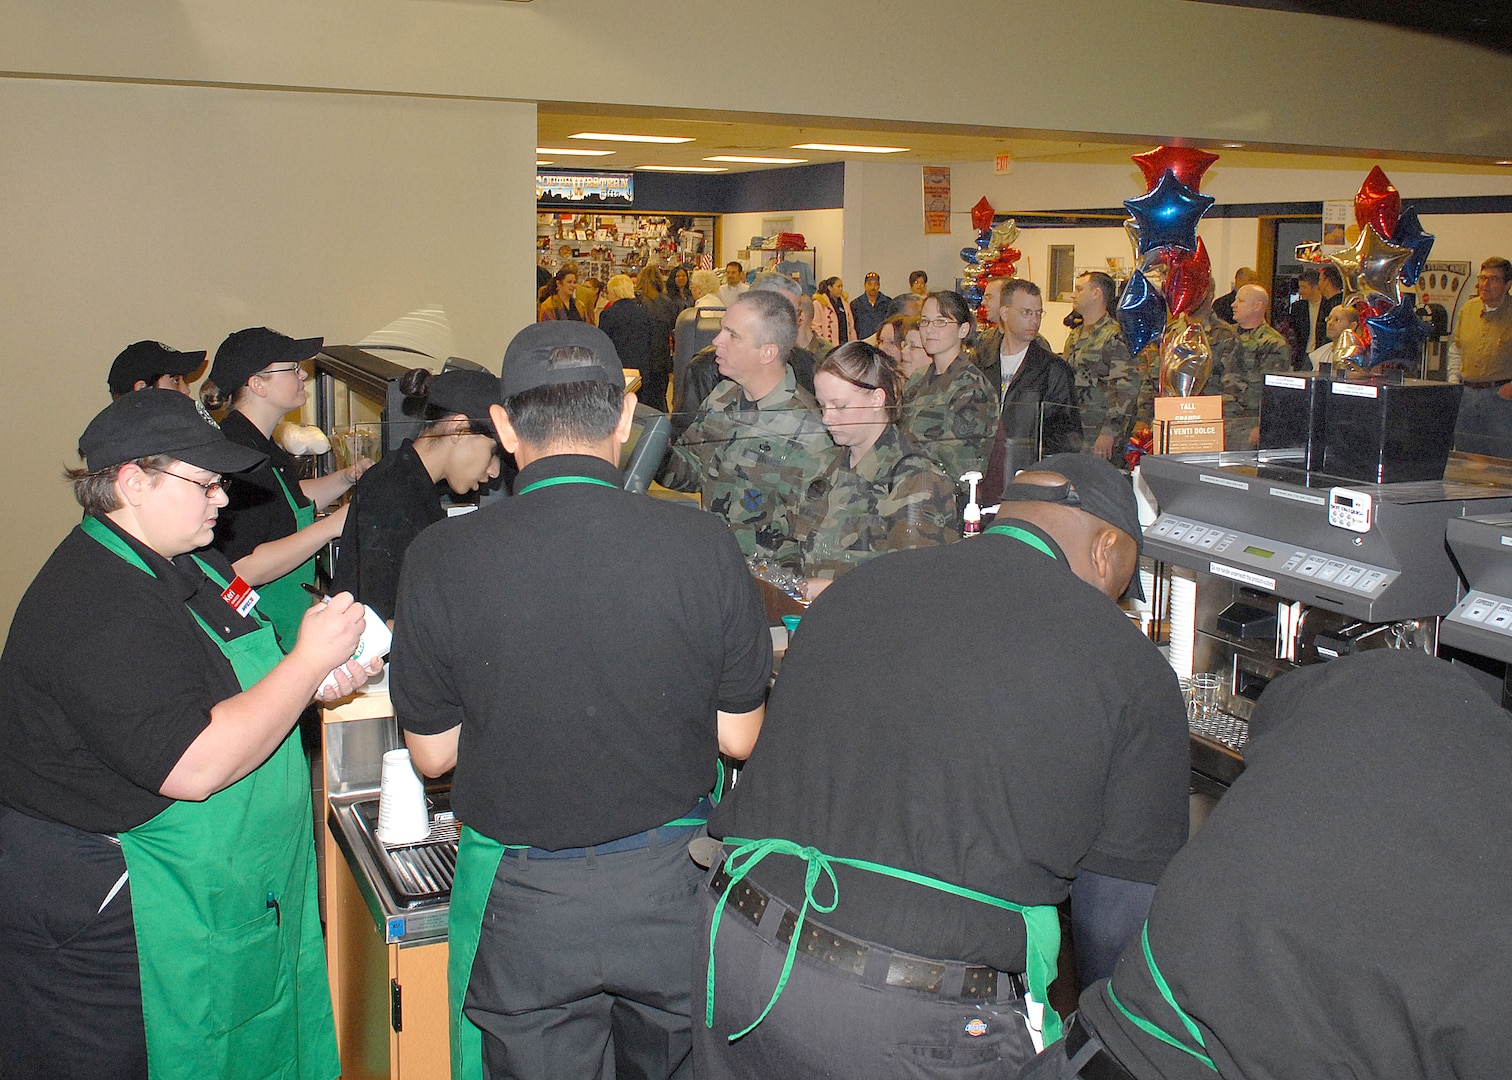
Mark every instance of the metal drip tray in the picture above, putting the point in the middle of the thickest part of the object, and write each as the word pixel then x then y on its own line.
pixel 419 873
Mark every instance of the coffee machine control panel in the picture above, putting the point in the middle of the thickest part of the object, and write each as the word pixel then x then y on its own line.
pixel 1265 563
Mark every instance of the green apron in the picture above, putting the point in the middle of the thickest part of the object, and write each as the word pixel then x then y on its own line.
pixel 1150 1028
pixel 229 991
pixel 1041 921
pixel 284 601
pixel 478 859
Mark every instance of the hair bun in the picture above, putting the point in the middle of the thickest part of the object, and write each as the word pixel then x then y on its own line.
pixel 415 383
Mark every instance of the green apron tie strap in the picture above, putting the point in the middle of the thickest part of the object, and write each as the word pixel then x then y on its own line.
pixel 553 481
pixel 1165 991
pixel 1024 536
pixel 1041 922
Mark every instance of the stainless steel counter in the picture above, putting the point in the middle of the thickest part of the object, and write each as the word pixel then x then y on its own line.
pixel 407 887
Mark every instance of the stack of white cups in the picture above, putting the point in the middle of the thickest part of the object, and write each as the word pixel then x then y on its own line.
pixel 1183 621
pixel 402 814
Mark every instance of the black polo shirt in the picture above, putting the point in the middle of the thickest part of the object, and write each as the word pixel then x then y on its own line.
pixel 976 713
pixel 257 511
pixel 105 681
pixel 391 505
pixel 1344 910
pixel 583 637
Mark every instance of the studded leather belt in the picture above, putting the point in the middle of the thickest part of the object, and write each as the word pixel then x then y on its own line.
pixel 828 946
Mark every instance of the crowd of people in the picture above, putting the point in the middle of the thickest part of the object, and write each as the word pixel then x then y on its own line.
pixel 878 895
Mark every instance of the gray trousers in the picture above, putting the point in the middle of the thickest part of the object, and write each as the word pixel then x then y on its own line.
pixel 583 965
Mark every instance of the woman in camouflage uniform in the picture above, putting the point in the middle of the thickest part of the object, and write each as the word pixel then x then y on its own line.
pixel 949 408
pixel 877 492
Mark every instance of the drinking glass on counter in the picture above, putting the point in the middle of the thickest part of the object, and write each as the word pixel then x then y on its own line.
pixel 1202 697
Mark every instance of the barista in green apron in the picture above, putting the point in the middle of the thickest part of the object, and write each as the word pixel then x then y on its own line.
pixel 230 965
pixel 269 530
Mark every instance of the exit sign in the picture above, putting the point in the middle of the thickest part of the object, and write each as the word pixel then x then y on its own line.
pixel 1002 165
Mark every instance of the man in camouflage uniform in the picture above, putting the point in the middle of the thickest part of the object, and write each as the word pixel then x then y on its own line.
pixel 757 442
pixel 1257 349
pixel 1109 380
pixel 894 498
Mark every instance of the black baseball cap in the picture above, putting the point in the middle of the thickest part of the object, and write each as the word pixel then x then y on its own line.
pixel 154 421
pixel 1094 485
pixel 461 391
pixel 249 351
pixel 527 361
pixel 147 361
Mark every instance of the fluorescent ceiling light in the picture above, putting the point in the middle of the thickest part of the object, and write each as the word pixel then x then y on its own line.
pixel 758 160
pixel 1503 161
pixel 610 136
pixel 572 151
pixel 848 148
pixel 680 168
pixel 542 161
pixel 1232 145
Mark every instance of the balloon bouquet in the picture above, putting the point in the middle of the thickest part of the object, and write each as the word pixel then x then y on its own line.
pixel 1172 277
pixel 994 256
pixel 1391 249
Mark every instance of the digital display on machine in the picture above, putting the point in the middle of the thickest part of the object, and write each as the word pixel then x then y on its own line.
pixel 1259 552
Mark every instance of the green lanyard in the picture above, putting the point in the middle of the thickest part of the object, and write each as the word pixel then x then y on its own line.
pixel 553 481
pixel 1165 991
pixel 1024 536
pixel 1041 922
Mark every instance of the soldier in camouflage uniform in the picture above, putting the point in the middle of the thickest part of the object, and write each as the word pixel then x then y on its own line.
pixel 878 492
pixel 948 408
pixel 1109 381
pixel 758 441
pixel 1257 349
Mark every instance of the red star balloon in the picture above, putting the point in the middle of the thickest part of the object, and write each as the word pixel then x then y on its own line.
pixel 1188 163
pixel 1378 203
pixel 1187 283
pixel 981 215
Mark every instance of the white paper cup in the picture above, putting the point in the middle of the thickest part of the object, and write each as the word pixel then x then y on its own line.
pixel 402 814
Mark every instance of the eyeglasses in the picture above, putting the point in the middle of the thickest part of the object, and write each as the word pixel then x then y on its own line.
pixel 263 374
pixel 938 323
pixel 1031 313
pixel 211 488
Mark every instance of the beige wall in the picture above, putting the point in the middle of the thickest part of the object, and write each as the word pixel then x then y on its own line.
pixel 1140 67
pixel 183 213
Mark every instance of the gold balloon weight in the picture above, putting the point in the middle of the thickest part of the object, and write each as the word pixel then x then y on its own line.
pixel 1186 359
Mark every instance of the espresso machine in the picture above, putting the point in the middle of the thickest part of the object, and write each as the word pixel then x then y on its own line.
pixel 1294 566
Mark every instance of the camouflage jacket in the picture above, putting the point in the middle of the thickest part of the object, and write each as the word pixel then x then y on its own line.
pixel 1110 383
pixel 951 416
pixel 750 463
pixel 1239 368
pixel 895 498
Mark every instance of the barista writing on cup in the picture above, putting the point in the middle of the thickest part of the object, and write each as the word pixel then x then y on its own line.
pixel 146 735
pixel 269 530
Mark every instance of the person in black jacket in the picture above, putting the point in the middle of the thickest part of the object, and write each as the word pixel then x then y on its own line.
pixel 1037 388
pixel 628 325
pixel 657 375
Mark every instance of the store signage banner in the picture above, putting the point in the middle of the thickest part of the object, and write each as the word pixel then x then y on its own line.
pixel 599 188
pixel 936 200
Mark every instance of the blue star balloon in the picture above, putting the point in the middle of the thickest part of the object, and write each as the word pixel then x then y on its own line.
pixel 1141 313
pixel 1168 213
pixel 1409 234
pixel 969 255
pixel 1396 337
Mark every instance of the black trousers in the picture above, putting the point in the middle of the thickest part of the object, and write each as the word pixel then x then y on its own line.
pixel 828 1024
pixel 70 990
pixel 586 961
